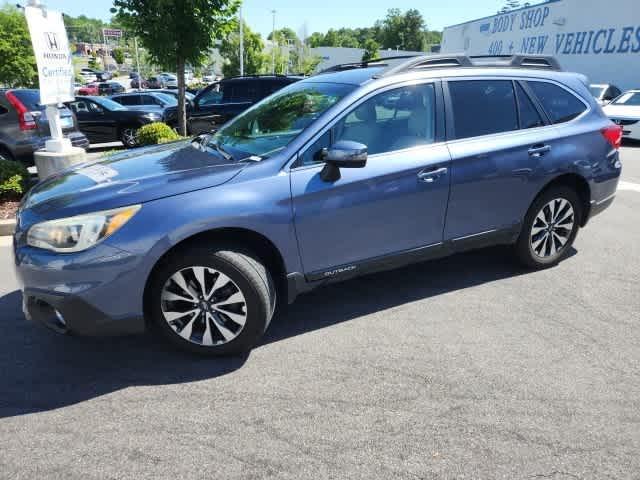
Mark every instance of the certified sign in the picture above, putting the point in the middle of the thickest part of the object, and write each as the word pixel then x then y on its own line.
pixel 51 48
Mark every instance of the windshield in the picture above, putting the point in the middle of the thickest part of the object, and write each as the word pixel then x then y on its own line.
pixel 272 124
pixel 168 99
pixel 108 104
pixel 629 98
pixel 597 90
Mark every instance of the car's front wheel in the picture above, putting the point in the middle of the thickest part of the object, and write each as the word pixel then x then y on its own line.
pixel 212 302
pixel 129 137
pixel 550 228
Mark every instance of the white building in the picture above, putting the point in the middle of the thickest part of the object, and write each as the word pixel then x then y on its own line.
pixel 337 55
pixel 600 40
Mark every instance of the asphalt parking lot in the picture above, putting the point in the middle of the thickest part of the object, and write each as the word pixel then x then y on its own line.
pixel 465 368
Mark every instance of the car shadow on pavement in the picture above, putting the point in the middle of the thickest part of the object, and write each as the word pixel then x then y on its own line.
pixel 41 371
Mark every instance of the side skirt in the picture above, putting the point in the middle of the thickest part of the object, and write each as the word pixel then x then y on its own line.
pixel 299 283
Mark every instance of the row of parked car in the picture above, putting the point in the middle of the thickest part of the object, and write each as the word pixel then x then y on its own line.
pixel 95 118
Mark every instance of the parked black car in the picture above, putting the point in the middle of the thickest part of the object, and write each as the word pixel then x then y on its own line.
pixel 24 127
pixel 149 101
pixel 110 88
pixel 103 120
pixel 221 101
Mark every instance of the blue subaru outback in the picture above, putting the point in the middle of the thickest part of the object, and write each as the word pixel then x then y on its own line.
pixel 366 168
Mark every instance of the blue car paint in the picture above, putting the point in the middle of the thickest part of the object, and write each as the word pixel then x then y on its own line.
pixel 315 226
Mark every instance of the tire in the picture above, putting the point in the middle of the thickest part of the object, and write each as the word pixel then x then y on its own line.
pixel 128 137
pixel 5 154
pixel 550 228
pixel 236 282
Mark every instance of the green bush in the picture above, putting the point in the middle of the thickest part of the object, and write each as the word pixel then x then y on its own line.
pixel 14 179
pixel 156 133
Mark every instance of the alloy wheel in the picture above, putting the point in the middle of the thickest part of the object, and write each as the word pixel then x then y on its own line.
pixel 129 137
pixel 204 306
pixel 552 228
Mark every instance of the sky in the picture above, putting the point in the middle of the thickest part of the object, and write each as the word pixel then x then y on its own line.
pixel 320 15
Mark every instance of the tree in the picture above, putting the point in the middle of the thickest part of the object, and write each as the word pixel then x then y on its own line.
pixel 17 62
pixel 254 58
pixel 403 31
pixel 371 49
pixel 177 32
pixel 285 33
pixel 118 55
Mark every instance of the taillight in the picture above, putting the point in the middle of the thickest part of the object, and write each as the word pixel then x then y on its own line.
pixel 25 117
pixel 613 134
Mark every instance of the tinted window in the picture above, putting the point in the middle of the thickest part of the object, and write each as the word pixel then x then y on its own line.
pixel 483 107
pixel 128 100
pixel 237 92
pixel 210 97
pixel 560 105
pixel 529 116
pixel 392 120
pixel 3 110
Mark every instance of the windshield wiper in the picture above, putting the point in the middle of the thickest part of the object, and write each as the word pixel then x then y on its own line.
pixel 218 148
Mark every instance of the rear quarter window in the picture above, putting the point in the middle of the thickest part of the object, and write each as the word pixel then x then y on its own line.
pixel 561 105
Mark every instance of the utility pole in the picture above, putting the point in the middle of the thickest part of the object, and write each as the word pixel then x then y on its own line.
pixel 135 45
pixel 241 44
pixel 273 43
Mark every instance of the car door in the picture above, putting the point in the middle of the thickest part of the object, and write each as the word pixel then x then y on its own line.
pixel 88 121
pixel 237 96
pixel 395 205
pixel 498 138
pixel 202 118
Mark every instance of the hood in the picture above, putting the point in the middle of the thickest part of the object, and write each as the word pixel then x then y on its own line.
pixel 130 178
pixel 622 111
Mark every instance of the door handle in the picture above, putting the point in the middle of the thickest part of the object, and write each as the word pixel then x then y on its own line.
pixel 430 176
pixel 539 150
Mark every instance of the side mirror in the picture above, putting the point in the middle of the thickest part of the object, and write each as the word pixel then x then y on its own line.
pixel 343 154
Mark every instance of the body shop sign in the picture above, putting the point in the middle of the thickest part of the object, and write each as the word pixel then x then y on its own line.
pixel 51 48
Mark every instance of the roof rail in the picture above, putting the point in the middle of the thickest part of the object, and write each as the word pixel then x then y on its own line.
pixel 374 62
pixel 424 62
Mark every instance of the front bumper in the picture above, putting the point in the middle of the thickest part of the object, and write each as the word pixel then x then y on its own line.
pixel 95 293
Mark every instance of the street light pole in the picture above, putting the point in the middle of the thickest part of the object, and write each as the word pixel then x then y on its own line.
pixel 273 43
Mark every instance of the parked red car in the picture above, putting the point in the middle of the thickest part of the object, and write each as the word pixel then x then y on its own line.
pixel 89 89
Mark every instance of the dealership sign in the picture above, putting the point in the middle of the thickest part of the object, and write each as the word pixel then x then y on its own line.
pixel 111 32
pixel 51 48
pixel 586 36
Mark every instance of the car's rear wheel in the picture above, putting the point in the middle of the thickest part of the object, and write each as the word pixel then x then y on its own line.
pixel 550 228
pixel 129 137
pixel 212 301
pixel 4 154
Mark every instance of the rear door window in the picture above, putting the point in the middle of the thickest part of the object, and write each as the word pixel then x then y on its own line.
pixel 483 107
pixel 529 115
pixel 128 100
pixel 561 105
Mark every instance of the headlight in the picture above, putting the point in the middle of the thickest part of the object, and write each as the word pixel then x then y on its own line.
pixel 75 234
pixel 153 116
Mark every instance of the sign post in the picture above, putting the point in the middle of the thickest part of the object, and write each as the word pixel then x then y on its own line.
pixel 55 75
